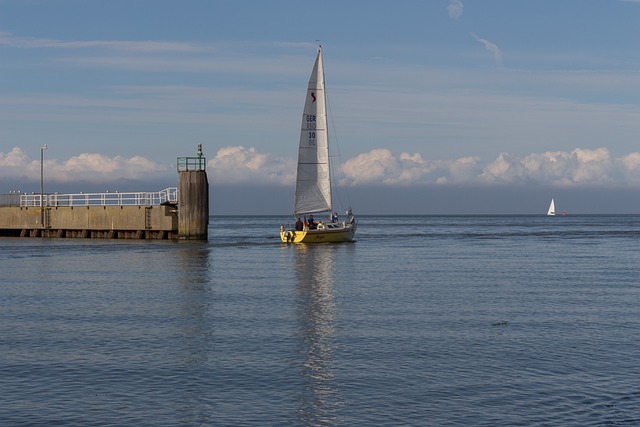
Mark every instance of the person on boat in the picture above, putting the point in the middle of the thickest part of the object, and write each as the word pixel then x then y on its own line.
pixel 299 225
pixel 313 224
pixel 334 218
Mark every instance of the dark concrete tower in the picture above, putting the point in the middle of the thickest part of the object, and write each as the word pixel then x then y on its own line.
pixel 193 197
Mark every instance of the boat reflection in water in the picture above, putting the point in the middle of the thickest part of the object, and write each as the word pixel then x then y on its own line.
pixel 316 315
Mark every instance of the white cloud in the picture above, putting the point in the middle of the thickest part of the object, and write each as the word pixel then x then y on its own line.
pixel 14 158
pixel 455 9
pixel 93 164
pixel 380 166
pixel 502 170
pixel 630 165
pixel 85 167
pixel 491 47
pixel 580 167
pixel 232 165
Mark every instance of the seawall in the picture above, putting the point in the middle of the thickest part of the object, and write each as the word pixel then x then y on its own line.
pixel 111 222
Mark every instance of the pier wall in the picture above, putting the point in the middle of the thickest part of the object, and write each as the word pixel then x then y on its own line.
pixel 135 222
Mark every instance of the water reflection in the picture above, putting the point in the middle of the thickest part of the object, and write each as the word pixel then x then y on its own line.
pixel 315 275
pixel 193 281
pixel 193 278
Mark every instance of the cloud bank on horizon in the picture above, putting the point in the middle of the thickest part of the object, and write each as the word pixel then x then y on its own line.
pixel 91 168
pixel 580 167
pixel 237 165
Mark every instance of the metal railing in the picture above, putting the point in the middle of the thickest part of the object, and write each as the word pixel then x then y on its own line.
pixel 168 195
pixel 192 163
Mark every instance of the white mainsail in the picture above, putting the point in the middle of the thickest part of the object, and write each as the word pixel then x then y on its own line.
pixel 313 184
pixel 552 209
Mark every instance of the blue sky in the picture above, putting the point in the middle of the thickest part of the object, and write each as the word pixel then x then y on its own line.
pixel 540 96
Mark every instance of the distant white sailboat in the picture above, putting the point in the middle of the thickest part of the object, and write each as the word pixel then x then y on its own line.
pixel 552 209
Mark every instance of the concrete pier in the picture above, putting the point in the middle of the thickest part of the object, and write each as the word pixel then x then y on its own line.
pixel 173 213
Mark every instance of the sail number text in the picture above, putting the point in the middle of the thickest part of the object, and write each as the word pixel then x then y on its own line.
pixel 311 121
pixel 311 125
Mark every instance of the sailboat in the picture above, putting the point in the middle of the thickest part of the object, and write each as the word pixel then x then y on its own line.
pixel 313 182
pixel 552 209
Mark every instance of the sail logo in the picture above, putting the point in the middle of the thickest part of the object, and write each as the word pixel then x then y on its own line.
pixel 313 95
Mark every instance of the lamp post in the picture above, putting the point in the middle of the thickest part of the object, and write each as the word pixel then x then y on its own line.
pixel 44 147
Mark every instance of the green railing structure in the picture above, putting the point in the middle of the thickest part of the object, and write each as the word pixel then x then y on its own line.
pixel 198 163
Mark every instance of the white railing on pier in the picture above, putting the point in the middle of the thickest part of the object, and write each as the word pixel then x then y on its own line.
pixel 141 198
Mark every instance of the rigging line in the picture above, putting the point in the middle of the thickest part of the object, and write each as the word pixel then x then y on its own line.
pixel 332 171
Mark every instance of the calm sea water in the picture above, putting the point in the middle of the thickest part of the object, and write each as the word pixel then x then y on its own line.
pixel 425 320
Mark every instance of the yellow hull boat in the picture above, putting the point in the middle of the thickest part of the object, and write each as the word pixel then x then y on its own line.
pixel 329 233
